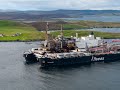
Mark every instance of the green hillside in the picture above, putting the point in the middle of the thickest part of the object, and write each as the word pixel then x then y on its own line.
pixel 10 28
pixel 14 31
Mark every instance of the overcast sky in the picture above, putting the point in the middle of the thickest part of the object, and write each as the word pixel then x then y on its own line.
pixel 59 4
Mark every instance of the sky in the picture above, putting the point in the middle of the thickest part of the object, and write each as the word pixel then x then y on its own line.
pixel 47 5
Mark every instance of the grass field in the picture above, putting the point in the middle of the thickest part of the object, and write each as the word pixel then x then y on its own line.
pixel 9 28
pixel 105 35
pixel 29 33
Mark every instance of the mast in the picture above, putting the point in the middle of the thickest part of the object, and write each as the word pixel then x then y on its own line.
pixel 60 22
pixel 62 30
pixel 46 31
pixel 62 35
pixel 46 35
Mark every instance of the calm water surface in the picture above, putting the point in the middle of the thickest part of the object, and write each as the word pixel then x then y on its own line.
pixel 15 75
pixel 112 18
pixel 111 30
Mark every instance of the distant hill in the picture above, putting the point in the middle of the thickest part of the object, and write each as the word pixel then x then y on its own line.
pixel 41 15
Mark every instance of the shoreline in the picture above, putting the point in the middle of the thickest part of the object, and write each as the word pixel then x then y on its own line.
pixel 67 33
pixel 43 40
pixel 22 41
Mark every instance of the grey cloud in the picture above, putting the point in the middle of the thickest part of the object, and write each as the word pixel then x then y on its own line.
pixel 59 4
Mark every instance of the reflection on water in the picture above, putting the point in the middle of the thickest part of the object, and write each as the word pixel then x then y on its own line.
pixel 15 75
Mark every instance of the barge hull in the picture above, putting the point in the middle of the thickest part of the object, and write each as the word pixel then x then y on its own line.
pixel 30 58
pixel 47 62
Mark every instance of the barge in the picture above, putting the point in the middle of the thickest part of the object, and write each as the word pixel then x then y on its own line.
pixel 63 51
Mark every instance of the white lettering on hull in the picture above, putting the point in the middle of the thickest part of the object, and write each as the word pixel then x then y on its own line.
pixel 50 62
pixel 95 59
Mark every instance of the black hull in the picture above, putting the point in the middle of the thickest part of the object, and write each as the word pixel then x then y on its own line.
pixel 30 58
pixel 47 62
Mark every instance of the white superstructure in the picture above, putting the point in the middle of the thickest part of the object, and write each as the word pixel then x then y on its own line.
pixel 90 41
